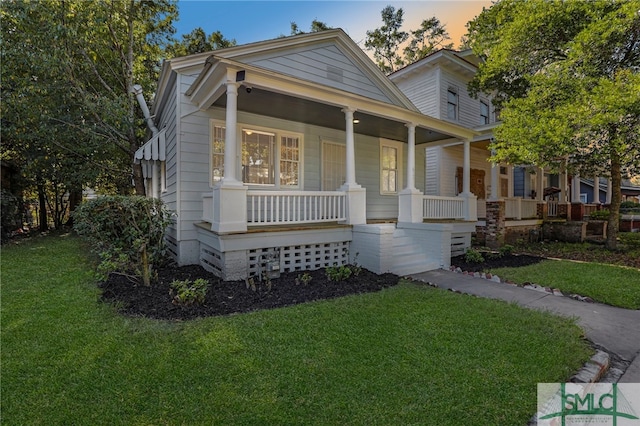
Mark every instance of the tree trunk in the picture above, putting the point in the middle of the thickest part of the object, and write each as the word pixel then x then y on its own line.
pixel 75 198
pixel 42 214
pixel 614 208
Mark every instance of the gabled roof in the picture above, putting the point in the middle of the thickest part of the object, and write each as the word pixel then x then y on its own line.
pixel 314 53
pixel 457 61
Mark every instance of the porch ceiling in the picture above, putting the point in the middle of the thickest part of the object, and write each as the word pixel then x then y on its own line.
pixel 282 106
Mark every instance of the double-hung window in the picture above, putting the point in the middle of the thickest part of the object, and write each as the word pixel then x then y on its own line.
pixel 484 112
pixel 267 157
pixel 452 103
pixel 217 153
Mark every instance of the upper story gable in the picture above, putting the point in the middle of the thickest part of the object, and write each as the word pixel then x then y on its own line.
pixel 328 58
pixel 437 86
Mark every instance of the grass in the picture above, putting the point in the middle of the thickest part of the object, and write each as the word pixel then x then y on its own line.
pixel 411 354
pixel 609 284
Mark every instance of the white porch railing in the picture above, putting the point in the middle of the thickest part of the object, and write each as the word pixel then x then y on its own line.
pixel 552 208
pixel 436 207
pixel 291 207
pixel 521 208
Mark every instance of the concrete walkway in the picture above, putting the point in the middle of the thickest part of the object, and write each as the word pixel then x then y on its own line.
pixel 616 329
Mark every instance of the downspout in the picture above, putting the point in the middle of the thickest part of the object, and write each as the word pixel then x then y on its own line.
pixel 155 172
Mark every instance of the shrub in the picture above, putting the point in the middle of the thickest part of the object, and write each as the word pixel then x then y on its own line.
pixel 338 273
pixel 304 278
pixel 473 256
pixel 630 239
pixel 600 215
pixel 629 207
pixel 505 250
pixel 126 232
pixel 188 292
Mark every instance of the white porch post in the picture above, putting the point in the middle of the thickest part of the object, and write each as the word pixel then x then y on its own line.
pixel 356 194
pixel 596 190
pixel 470 200
pixel 410 199
pixel 563 183
pixel 466 168
pixel 575 189
pixel 609 191
pixel 495 169
pixel 540 184
pixel 510 181
pixel 230 195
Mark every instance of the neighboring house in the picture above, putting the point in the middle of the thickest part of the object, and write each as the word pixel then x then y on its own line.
pixel 298 153
pixel 437 86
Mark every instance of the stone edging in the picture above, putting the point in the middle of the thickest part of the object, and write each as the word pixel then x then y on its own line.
pixel 527 285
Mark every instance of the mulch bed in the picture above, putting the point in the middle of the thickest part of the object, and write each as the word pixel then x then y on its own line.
pixel 495 261
pixel 229 297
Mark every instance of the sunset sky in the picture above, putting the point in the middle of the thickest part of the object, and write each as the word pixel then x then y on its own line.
pixel 250 21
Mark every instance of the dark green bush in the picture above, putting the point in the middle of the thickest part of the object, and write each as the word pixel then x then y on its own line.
pixel 630 239
pixel 473 256
pixel 126 232
pixel 600 215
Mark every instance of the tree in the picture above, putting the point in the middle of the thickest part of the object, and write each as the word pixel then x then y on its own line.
pixel 430 37
pixel 566 75
pixel 197 41
pixel 316 27
pixel 385 41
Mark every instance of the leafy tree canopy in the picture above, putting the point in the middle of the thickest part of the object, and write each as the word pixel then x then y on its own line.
pixel 197 41
pixel 566 76
pixel 316 27
pixel 386 41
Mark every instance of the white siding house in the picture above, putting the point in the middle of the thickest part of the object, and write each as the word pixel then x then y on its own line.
pixel 298 153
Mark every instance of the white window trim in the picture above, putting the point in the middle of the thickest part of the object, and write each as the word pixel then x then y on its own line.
pixel 454 89
pixel 400 158
pixel 279 133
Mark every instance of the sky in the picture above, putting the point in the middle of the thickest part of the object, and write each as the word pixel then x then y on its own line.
pixel 251 21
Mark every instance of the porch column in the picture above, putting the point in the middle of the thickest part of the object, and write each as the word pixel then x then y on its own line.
pixel 356 194
pixel 510 181
pixel 575 189
pixel 231 124
pixel 495 169
pixel 410 199
pixel 470 200
pixel 609 191
pixel 563 183
pixel 466 169
pixel 411 156
pixel 351 150
pixel 596 190
pixel 230 195
pixel 540 184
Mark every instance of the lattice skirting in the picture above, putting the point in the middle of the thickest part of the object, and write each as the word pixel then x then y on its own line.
pixel 459 244
pixel 290 258
pixel 211 260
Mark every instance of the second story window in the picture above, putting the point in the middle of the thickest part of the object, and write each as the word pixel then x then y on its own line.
pixel 452 103
pixel 484 112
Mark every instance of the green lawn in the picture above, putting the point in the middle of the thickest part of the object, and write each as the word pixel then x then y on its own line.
pixel 411 354
pixel 610 284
